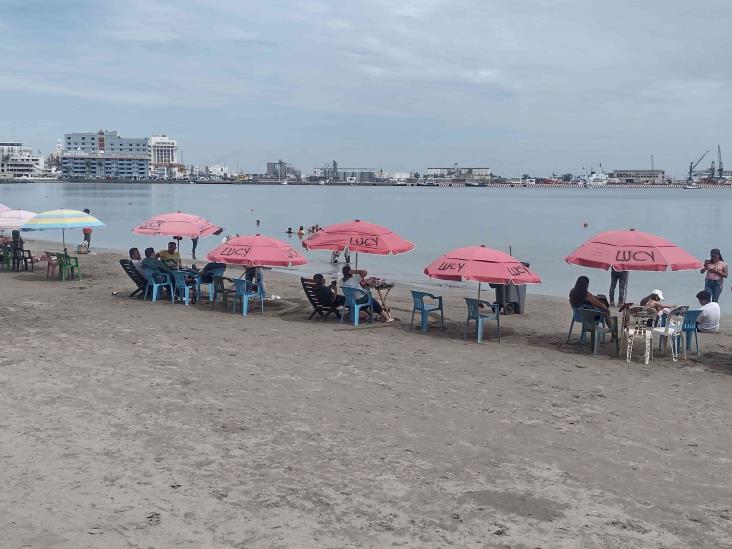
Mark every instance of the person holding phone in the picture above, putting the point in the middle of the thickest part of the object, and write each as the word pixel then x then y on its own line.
pixel 328 295
pixel 716 271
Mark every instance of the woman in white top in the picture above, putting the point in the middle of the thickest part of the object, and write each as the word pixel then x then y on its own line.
pixel 353 278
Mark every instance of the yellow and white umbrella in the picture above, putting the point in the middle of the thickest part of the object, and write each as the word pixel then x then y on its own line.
pixel 61 220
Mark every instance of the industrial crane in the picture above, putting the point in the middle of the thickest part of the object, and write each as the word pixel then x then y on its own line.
pixel 692 165
pixel 720 167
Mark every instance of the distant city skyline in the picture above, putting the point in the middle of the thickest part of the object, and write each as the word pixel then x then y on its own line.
pixel 522 87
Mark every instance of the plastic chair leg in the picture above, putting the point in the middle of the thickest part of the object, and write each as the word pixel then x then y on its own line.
pixel 649 347
pixel 629 348
pixel 411 322
pixel 244 306
pixel 467 325
pixel 479 326
pixel 569 335
pixel 425 315
pixel 442 318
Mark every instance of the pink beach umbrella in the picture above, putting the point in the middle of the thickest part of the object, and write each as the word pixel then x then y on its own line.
pixel 481 264
pixel 14 219
pixel 3 208
pixel 177 224
pixel 358 236
pixel 632 250
pixel 256 251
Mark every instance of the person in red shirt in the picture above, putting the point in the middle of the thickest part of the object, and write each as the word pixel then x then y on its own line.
pixel 87 231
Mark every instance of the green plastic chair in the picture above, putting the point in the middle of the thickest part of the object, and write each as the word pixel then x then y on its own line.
pixel 68 266
pixel 6 257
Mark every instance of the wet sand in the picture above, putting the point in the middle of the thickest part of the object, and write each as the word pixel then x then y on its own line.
pixel 131 424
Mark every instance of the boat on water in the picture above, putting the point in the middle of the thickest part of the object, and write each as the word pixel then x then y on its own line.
pixel 597 179
pixel 692 186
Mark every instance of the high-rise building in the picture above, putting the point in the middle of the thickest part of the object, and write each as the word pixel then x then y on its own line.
pixel 164 157
pixel 105 154
pixel 17 160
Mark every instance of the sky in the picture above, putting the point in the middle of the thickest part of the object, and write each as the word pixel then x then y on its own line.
pixel 538 87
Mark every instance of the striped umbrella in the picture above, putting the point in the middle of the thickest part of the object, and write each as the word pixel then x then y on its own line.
pixel 61 220
pixel 3 208
pixel 11 220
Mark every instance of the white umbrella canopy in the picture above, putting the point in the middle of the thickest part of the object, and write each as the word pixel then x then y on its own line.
pixel 11 220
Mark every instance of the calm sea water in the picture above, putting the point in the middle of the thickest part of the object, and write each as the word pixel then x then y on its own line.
pixel 539 225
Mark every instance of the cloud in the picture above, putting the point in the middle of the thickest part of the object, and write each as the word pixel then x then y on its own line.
pixel 563 78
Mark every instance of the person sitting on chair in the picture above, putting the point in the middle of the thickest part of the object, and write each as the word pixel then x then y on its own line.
pixel 708 320
pixel 654 300
pixel 136 260
pixel 152 263
pixel 255 277
pixel 206 273
pixel 170 257
pixel 328 295
pixel 580 296
pixel 353 278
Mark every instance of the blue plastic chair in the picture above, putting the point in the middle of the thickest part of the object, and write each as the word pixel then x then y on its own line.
pixel 474 313
pixel 354 307
pixel 689 328
pixel 155 284
pixel 426 308
pixel 576 317
pixel 595 324
pixel 211 286
pixel 183 287
pixel 244 291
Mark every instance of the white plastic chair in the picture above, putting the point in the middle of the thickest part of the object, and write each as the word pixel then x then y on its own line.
pixel 672 332
pixel 640 323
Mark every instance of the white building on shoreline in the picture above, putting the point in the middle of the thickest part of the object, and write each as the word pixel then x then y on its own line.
pixel 164 160
pixel 17 160
pixel 105 154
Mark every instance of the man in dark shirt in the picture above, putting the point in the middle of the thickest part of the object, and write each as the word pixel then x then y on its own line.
pixel 327 295
pixel 151 263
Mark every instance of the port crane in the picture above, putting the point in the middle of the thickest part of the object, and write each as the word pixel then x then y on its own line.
pixel 692 165
pixel 720 167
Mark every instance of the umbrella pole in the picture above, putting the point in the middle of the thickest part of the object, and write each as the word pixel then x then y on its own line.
pixel 357 261
pixel 478 290
pixel 63 239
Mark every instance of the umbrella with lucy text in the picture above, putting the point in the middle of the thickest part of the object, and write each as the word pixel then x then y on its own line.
pixel 481 264
pixel 632 250
pixel 256 251
pixel 358 236
pixel 178 224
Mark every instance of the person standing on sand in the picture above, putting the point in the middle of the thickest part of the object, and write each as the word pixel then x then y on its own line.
pixel 716 271
pixel 87 231
pixel 615 277
pixel 194 241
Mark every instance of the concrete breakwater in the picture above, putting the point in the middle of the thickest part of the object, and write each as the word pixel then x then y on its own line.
pixel 437 183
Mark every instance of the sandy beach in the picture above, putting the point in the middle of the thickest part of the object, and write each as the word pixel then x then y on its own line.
pixel 131 424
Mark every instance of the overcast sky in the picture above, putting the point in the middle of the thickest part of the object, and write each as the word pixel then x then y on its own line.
pixel 536 86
